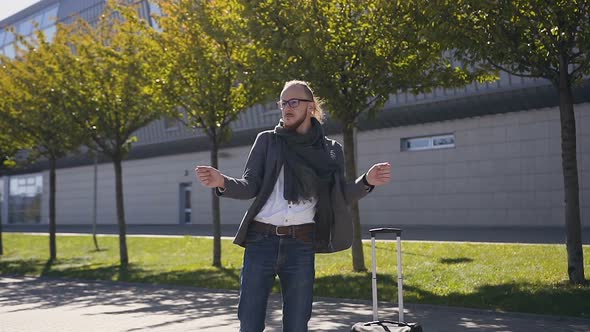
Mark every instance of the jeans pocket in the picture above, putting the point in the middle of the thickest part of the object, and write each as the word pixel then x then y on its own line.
pixel 307 238
pixel 253 237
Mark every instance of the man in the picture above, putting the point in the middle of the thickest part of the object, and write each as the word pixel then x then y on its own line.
pixel 296 176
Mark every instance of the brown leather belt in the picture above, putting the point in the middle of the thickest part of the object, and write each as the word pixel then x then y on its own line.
pixel 300 232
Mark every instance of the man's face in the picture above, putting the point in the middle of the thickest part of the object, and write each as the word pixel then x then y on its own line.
pixel 293 117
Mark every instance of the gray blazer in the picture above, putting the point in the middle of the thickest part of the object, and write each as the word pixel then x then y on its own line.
pixel 257 181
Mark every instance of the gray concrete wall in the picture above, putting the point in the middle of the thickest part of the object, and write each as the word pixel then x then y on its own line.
pixel 504 170
pixel 151 187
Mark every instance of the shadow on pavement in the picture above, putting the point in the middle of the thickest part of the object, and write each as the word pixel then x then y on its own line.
pixel 33 304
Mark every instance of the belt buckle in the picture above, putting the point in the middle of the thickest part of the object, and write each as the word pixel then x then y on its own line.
pixel 280 234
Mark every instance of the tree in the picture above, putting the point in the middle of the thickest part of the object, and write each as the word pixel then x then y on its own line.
pixel 208 73
pixel 114 82
pixel 355 54
pixel 7 151
pixel 532 38
pixel 36 110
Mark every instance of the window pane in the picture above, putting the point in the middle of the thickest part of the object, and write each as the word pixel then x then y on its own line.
pixel 9 37
pixel 155 11
pixel 417 143
pixel 50 16
pixel 9 51
pixel 443 140
pixel 49 32
pixel 39 184
pixel 187 198
pixel 24 199
pixel 185 202
pixel 428 143
pixel 38 19
pixel 25 28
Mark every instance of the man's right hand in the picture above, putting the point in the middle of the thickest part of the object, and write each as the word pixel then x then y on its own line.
pixel 210 177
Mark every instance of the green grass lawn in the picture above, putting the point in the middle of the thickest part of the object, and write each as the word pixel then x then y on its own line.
pixel 509 277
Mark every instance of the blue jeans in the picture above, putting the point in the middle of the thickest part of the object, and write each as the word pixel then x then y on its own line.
pixel 266 256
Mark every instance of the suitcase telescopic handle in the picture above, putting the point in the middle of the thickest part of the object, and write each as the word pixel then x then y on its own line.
pixel 374 231
pixel 400 297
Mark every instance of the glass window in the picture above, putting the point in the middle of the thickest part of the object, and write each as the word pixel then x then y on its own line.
pixel 25 28
pixel 428 142
pixel 50 16
pixel 185 203
pixel 49 32
pixel 9 51
pixel 155 11
pixel 443 140
pixel 38 19
pixel 2 34
pixel 417 143
pixel 9 37
pixel 24 199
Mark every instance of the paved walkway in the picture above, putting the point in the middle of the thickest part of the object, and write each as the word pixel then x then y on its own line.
pixel 47 304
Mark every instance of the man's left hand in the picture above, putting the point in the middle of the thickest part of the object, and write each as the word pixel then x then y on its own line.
pixel 379 174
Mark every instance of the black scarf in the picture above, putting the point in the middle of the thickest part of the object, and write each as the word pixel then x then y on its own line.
pixel 309 171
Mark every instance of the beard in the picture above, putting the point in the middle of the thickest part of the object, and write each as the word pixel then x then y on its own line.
pixel 295 125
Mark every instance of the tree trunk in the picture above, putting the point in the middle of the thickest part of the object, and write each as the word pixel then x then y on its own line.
pixel 358 259
pixel 94 201
pixel 216 209
pixel 575 259
pixel 120 210
pixel 52 227
pixel 1 221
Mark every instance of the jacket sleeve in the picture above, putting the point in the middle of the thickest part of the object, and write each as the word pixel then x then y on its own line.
pixel 248 186
pixel 352 191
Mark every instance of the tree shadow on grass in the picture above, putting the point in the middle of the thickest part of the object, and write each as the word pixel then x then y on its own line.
pixel 203 277
pixel 78 268
pixel 21 267
pixel 561 299
pixel 457 260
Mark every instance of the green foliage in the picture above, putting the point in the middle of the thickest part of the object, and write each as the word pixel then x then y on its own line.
pixel 8 147
pixel 528 38
pixel 207 71
pixel 508 277
pixel 114 77
pixel 355 53
pixel 34 114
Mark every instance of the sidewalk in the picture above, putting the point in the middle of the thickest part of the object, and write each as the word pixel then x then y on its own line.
pixel 47 304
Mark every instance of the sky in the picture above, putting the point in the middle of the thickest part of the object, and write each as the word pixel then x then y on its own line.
pixel 9 7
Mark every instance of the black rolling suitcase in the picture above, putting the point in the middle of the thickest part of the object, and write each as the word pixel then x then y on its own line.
pixel 387 325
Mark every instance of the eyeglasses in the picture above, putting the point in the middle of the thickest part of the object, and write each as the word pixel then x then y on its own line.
pixel 294 102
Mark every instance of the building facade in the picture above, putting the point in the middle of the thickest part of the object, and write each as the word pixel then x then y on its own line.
pixel 484 155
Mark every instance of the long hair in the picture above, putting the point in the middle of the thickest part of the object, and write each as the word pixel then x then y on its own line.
pixel 318 112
